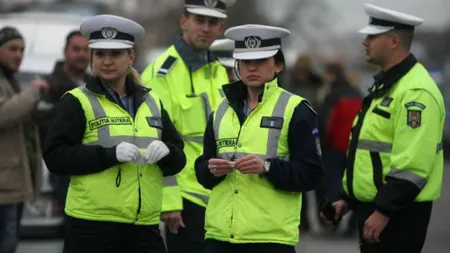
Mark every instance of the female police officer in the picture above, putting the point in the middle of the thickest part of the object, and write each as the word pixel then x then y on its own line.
pixel 261 151
pixel 99 132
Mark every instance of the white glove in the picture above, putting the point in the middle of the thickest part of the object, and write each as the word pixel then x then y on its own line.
pixel 156 151
pixel 127 152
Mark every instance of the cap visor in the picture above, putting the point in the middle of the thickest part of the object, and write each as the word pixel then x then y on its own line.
pixel 372 30
pixel 227 62
pixel 109 45
pixel 207 12
pixel 254 55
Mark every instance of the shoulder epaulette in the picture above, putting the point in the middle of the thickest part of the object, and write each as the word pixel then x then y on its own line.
pixel 166 66
pixel 306 102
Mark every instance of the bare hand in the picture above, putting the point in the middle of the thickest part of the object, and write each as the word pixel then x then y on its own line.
pixel 219 167
pixel 250 164
pixel 173 220
pixel 374 226
pixel 39 83
pixel 340 209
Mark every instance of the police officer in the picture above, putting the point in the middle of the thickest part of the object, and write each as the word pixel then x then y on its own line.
pixel 188 79
pixel 116 141
pixel 395 159
pixel 261 151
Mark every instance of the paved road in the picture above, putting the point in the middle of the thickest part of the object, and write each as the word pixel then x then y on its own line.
pixel 438 240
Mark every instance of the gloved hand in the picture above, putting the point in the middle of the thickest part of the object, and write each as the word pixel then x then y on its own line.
pixel 156 151
pixel 127 152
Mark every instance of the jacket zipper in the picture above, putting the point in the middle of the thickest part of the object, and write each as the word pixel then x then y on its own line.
pixel 235 148
pixel 138 211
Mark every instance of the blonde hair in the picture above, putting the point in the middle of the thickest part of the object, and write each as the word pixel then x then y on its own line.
pixel 134 75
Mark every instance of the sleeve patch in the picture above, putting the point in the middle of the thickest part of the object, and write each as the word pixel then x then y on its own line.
pixel 414 118
pixel 315 133
pixel 166 66
pixel 415 104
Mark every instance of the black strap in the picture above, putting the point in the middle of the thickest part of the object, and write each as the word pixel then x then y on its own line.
pixel 166 66
pixel 377 167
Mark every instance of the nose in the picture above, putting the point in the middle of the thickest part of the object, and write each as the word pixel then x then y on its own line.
pixel 252 65
pixel 206 27
pixel 107 60
pixel 365 42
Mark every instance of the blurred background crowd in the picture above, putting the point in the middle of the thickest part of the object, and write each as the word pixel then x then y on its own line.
pixel 325 61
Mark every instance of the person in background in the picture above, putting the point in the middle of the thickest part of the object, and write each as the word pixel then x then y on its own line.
pixel 336 115
pixel 67 75
pixel 261 152
pixel 20 151
pixel 115 140
pixel 188 78
pixel 302 80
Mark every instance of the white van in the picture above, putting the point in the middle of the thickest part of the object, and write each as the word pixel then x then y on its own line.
pixel 45 37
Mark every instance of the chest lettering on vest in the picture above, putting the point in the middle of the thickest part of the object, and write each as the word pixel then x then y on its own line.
pixel 229 142
pixel 106 121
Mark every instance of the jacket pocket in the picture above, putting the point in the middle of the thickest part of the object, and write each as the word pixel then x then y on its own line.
pixel 11 175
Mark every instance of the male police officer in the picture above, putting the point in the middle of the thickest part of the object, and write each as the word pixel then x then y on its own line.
pixel 395 158
pixel 189 79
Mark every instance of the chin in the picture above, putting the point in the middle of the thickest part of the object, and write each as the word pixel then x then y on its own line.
pixel 108 77
pixel 254 84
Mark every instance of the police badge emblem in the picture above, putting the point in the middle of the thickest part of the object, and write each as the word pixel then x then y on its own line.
pixel 210 3
pixel 414 118
pixel 252 42
pixel 315 133
pixel 109 33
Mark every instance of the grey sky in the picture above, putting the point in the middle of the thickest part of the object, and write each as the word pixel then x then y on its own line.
pixel 436 13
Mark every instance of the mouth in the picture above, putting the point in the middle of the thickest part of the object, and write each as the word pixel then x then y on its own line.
pixel 253 78
pixel 107 71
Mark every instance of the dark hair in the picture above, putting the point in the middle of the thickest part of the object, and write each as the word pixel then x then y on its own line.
pixel 336 69
pixel 186 13
pixel 9 33
pixel 406 38
pixel 71 35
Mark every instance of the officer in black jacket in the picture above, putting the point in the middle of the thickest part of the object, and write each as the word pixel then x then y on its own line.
pixel 116 142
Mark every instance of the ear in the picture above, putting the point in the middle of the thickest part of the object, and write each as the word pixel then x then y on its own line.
pixel 278 67
pixel 395 41
pixel 132 56
pixel 221 26
pixel 183 22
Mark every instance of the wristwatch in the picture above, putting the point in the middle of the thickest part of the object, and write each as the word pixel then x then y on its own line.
pixel 266 166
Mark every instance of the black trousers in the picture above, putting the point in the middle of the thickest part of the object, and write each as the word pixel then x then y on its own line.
pixel 406 232
pixel 190 239
pixel 214 246
pixel 85 236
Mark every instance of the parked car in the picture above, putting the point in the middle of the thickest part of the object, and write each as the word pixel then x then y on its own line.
pixel 45 37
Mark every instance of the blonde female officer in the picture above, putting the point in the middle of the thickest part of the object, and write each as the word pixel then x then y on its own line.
pixel 116 141
pixel 261 151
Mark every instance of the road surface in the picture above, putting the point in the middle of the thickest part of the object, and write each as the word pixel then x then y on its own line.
pixel 438 239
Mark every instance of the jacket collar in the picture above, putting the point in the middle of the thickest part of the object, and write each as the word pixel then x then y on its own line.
pixel 139 92
pixel 386 79
pixel 236 92
pixel 190 57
